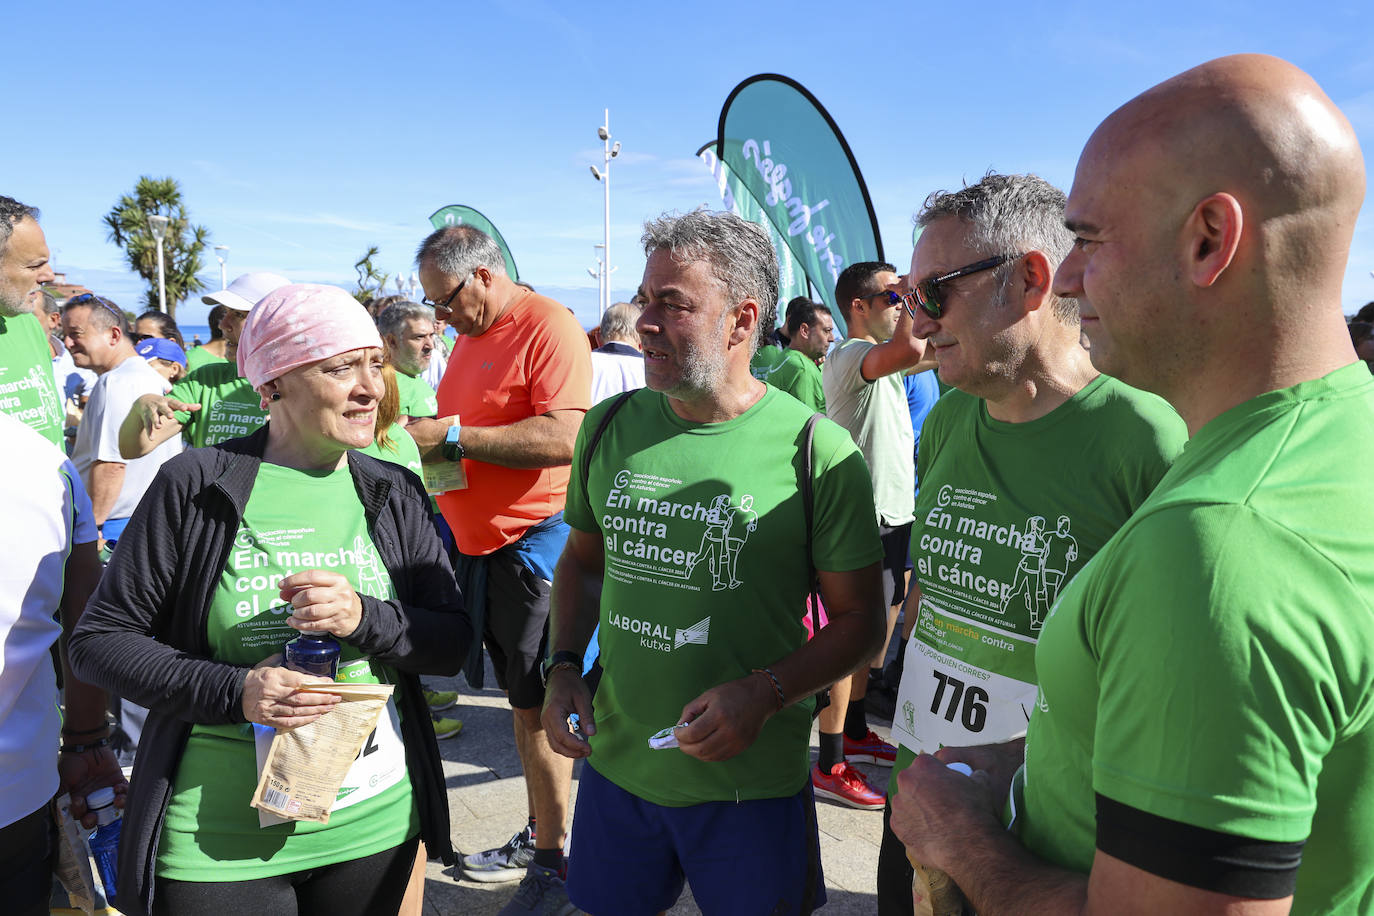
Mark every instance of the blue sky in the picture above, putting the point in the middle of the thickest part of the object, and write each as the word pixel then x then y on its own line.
pixel 304 132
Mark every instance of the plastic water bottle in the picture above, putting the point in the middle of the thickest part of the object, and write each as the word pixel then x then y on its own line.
pixel 105 839
pixel 314 653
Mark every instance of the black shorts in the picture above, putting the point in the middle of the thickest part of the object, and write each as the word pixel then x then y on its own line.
pixel 896 545
pixel 516 631
pixel 27 849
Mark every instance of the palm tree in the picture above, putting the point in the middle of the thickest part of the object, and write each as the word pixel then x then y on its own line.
pixel 183 246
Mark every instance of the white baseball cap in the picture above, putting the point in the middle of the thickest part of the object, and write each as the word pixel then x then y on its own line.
pixel 246 291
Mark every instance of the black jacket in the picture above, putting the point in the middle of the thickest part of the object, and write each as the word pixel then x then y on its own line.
pixel 143 635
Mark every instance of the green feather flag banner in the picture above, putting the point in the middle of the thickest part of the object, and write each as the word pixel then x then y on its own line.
pixel 460 215
pixel 777 140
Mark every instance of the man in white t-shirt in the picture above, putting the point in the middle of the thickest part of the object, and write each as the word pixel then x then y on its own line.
pixel 48 560
pixel 97 336
pixel 618 364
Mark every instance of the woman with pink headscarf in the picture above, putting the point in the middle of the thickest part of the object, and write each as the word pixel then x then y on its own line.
pixel 235 550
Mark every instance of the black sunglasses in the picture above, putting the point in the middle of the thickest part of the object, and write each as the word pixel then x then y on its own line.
pixel 93 299
pixel 444 306
pixel 926 294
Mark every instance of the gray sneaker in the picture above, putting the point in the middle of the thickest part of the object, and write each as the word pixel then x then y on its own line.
pixel 541 894
pixel 505 863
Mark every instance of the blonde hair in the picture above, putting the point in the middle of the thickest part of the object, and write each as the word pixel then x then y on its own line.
pixel 388 409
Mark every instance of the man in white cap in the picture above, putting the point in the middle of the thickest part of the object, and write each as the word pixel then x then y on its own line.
pixel 214 402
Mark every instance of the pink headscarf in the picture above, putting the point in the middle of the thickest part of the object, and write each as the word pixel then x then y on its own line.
pixel 301 324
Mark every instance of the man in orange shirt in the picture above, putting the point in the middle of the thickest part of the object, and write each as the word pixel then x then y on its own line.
pixel 517 386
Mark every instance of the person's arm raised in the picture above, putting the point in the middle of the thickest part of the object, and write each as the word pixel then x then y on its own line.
pixel 151 422
pixel 904 351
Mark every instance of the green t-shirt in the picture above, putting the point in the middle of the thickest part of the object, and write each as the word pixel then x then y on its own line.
pixel 1214 664
pixel 403 450
pixel 789 370
pixel 877 416
pixel 294 521
pixel 1008 513
pixel 229 407
pixel 417 398
pixel 705 579
pixel 27 389
pixel 199 356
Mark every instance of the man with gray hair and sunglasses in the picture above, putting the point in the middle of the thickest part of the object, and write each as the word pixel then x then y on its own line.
pixel 1026 470
pixel 690 548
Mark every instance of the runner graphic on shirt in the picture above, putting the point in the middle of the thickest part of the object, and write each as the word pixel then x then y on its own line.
pixel 1029 572
pixel 1061 549
pixel 373 578
pixel 727 528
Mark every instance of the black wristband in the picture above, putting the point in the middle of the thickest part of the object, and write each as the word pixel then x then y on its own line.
pixel 566 658
pixel 83 748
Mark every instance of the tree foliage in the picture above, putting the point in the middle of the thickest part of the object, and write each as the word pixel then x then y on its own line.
pixel 183 247
pixel 371 283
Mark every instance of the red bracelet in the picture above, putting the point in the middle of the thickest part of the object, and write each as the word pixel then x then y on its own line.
pixel 772 679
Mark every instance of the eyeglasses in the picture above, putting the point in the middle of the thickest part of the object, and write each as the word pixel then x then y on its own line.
pixel 444 306
pixel 92 299
pixel 926 293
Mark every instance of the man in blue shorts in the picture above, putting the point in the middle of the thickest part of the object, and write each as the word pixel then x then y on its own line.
pixel 698 751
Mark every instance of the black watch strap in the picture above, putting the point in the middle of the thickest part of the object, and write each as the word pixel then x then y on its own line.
pixel 565 658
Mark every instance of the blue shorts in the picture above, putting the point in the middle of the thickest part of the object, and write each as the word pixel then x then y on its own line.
pixel 630 856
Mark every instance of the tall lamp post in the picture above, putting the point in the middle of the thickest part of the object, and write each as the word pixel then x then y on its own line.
pixel 157 224
pixel 222 255
pixel 601 279
pixel 609 151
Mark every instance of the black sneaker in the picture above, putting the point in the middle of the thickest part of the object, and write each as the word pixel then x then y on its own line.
pixel 880 700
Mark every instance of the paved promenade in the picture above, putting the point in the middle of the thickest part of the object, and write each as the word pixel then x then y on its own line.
pixel 487 805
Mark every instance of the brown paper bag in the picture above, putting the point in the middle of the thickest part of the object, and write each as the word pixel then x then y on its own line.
pixel 305 766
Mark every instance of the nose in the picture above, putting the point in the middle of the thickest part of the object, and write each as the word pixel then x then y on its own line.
pixel 45 274
pixel 371 383
pixel 922 325
pixel 1068 278
pixel 645 323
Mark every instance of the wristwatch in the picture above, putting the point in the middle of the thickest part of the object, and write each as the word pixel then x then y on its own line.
pixel 564 659
pixel 453 449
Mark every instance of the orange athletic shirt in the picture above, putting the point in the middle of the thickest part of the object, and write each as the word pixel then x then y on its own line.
pixel 534 359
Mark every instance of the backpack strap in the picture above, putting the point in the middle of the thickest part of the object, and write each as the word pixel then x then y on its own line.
pixel 808 512
pixel 618 403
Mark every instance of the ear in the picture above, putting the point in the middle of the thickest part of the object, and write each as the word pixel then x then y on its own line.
pixel 1212 233
pixel 746 320
pixel 1037 278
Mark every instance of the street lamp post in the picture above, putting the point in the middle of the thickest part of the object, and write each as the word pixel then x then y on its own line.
pixel 157 224
pixel 609 151
pixel 222 257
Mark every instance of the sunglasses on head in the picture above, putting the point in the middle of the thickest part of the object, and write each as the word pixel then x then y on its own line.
pixel 925 295
pixel 89 299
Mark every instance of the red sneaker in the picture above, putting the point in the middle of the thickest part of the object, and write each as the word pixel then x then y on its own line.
pixel 870 750
pixel 847 786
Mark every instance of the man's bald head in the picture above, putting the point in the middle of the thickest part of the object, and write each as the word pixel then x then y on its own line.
pixel 1261 130
pixel 1214 215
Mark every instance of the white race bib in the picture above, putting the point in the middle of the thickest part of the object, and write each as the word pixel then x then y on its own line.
pixel 946 702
